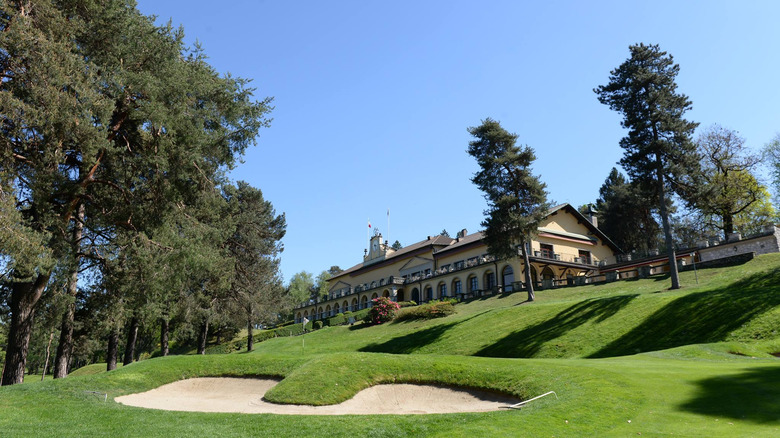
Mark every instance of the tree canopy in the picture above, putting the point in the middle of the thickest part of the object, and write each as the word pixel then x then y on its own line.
pixel 728 183
pixel 109 127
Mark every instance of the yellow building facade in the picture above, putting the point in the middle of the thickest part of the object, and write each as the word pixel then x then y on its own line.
pixel 567 246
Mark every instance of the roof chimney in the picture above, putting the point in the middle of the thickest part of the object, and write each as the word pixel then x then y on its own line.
pixel 462 233
pixel 592 215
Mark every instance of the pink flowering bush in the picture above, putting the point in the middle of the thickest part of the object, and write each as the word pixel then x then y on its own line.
pixel 382 310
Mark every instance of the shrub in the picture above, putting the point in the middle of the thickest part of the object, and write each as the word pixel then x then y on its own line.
pixel 382 310
pixel 226 348
pixel 406 304
pixel 343 318
pixel 317 324
pixel 433 309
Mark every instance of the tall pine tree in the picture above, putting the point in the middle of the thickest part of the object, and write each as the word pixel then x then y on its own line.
pixel 517 200
pixel 658 151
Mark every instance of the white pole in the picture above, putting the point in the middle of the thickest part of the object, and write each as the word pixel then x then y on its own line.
pixel 516 406
pixel 388 227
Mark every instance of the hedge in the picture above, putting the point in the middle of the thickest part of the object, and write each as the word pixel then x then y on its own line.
pixel 433 309
pixel 343 318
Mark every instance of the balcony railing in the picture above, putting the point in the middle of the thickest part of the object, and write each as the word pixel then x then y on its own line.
pixel 563 257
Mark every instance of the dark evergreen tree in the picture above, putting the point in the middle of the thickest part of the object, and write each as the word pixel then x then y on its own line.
pixel 517 200
pixel 625 214
pixel 658 151
pixel 254 247
pixel 396 245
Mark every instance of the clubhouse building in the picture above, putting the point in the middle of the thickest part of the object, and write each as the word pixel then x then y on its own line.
pixel 567 249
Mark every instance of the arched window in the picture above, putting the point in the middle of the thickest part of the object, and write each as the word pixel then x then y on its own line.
pixel 457 286
pixel 328 311
pixel 354 304
pixel 321 313
pixel 473 283
pixel 428 293
pixel 298 318
pixel 442 290
pixel 386 293
pixel 345 306
pixel 508 278
pixel 490 280
pixel 374 295
pixel 364 302
pixel 415 295
pixel 400 295
pixel 336 309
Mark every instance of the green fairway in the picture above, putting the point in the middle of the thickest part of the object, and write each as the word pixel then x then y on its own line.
pixel 704 368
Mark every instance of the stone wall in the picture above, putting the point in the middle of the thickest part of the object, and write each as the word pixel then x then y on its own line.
pixel 763 244
pixel 733 260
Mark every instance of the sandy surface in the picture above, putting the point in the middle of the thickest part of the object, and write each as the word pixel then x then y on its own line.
pixel 224 394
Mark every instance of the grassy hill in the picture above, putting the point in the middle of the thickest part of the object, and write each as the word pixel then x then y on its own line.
pixel 736 304
pixel 705 368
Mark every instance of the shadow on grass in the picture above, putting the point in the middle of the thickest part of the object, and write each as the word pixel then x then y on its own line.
pixel 750 396
pixel 414 341
pixel 528 341
pixel 701 317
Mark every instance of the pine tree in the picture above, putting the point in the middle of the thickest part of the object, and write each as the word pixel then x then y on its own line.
pixel 658 151
pixel 517 200
pixel 625 215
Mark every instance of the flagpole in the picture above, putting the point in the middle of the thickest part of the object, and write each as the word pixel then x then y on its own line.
pixel 303 336
pixel 388 226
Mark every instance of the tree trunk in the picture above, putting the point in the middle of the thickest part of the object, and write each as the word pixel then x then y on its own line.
pixel 673 273
pixel 203 336
pixel 24 297
pixel 164 336
pixel 250 342
pixel 113 346
pixel 728 225
pixel 65 346
pixel 132 336
pixel 48 351
pixel 529 282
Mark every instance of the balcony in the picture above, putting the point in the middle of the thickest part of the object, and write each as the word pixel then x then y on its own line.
pixel 568 258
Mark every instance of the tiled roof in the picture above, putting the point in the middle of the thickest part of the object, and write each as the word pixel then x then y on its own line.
pixel 463 241
pixel 439 240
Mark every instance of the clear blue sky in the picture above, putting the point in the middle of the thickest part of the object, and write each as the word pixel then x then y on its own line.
pixel 372 99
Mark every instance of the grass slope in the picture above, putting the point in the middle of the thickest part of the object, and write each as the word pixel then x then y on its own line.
pixel 739 303
pixel 687 381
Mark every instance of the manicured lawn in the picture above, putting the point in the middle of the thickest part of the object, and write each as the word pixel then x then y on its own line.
pixel 704 369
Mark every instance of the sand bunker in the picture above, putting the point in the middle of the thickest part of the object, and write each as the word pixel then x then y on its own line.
pixel 246 396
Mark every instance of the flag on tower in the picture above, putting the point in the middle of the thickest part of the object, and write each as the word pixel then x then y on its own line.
pixel 369 223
